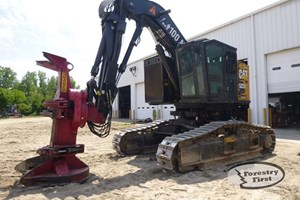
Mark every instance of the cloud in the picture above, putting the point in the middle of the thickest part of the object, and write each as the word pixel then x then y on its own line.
pixel 16 31
pixel 6 38
pixel 72 29
pixel 67 28
pixel 22 66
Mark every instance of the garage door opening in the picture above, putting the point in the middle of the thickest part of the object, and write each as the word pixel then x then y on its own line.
pixel 285 110
pixel 124 102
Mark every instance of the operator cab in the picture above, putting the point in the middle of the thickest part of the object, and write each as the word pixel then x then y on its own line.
pixel 206 72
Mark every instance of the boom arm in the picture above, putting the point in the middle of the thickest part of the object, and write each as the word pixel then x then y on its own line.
pixel 114 14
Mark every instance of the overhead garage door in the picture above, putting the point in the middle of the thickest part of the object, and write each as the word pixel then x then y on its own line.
pixel 283 70
pixel 143 110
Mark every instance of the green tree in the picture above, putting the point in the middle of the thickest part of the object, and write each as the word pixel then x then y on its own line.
pixel 25 108
pixel 11 97
pixel 8 78
pixel 73 83
pixel 19 99
pixel 18 96
pixel 34 100
pixel 42 83
pixel 28 95
pixel 6 98
pixel 29 83
pixel 51 87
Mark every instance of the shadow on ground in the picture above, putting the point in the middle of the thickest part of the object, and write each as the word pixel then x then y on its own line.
pixel 96 185
pixel 147 170
pixel 289 133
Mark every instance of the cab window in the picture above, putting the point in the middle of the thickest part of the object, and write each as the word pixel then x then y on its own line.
pixel 187 76
pixel 214 69
pixel 200 72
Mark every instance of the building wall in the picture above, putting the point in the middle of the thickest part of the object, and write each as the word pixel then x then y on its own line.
pixel 256 35
pixel 132 79
pixel 272 29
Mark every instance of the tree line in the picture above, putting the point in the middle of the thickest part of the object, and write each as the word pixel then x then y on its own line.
pixel 25 97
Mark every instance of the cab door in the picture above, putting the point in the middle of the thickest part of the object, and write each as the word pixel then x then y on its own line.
pixel 215 71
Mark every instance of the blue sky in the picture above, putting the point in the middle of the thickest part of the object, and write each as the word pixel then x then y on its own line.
pixel 72 29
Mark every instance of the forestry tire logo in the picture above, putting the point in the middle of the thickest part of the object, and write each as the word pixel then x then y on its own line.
pixel 255 175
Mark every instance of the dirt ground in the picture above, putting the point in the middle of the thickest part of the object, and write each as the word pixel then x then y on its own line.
pixel 133 177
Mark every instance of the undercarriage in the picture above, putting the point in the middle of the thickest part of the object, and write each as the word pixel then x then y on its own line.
pixel 183 148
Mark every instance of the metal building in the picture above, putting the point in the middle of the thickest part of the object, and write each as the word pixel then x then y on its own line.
pixel 269 40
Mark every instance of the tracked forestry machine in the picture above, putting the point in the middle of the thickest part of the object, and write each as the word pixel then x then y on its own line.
pixel 202 78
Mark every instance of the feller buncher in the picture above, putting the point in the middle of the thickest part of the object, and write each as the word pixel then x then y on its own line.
pixel 202 78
